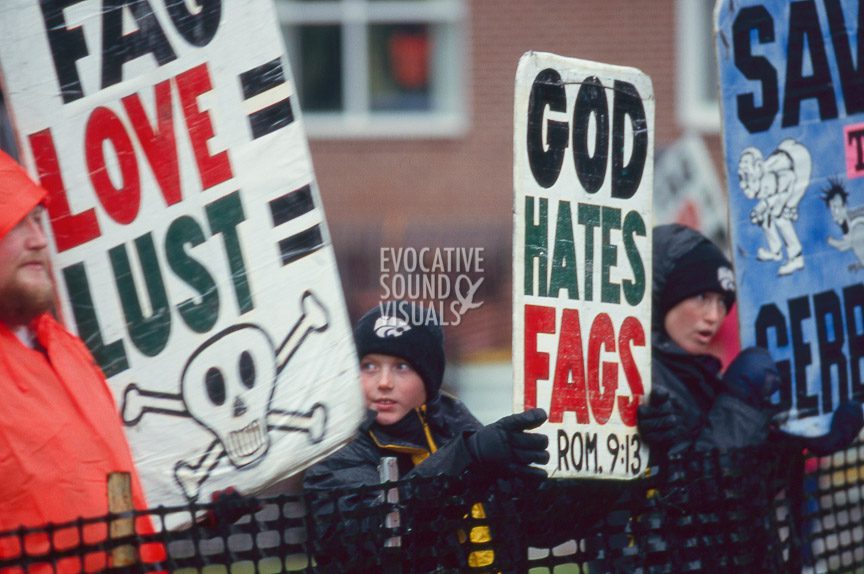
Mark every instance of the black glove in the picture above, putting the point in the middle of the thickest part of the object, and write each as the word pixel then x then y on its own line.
pixel 846 423
pixel 660 422
pixel 228 507
pixel 752 377
pixel 504 444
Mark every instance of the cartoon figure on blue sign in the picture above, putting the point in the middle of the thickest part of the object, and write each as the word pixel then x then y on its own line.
pixel 851 222
pixel 778 182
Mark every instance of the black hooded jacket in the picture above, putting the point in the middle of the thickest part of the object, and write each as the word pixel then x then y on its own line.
pixel 428 442
pixel 446 500
pixel 711 418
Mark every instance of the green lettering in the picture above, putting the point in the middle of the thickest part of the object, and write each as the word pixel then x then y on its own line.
pixel 536 245
pixel 564 255
pixel 224 215
pixel 148 334
pixel 200 316
pixel 634 290
pixel 589 216
pixel 609 292
pixel 110 356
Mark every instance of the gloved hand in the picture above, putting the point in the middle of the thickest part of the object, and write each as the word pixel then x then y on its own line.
pixel 660 422
pixel 228 507
pixel 752 377
pixel 846 424
pixel 505 444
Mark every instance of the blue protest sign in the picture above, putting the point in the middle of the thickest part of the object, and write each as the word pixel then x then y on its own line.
pixel 792 93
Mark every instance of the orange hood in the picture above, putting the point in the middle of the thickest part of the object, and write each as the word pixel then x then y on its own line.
pixel 18 194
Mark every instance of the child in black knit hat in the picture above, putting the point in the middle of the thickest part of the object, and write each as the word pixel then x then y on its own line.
pixel 401 350
pixel 692 404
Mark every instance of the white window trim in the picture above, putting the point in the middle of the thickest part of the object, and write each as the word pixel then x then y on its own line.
pixel 356 121
pixel 693 111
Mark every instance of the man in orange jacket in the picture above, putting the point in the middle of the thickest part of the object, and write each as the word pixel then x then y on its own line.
pixel 60 434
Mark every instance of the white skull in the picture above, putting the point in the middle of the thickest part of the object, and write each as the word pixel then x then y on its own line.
pixel 227 385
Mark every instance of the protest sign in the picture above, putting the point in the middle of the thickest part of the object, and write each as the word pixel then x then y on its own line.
pixel 189 244
pixel 582 177
pixel 793 123
pixel 687 189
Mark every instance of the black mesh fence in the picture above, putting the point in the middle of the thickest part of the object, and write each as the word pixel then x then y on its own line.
pixel 754 510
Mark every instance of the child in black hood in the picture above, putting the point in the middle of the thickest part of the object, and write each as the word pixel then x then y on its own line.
pixel 691 403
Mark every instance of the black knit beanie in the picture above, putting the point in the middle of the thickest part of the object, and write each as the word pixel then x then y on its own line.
pixel 408 331
pixel 702 269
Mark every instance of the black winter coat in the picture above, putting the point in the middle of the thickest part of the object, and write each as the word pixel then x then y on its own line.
pixel 428 442
pixel 450 507
pixel 711 418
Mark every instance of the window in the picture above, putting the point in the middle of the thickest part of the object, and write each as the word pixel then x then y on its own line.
pixel 370 68
pixel 698 97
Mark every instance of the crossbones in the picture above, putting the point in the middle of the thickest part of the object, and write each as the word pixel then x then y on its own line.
pixel 230 394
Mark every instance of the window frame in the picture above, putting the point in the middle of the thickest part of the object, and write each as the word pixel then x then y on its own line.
pixel 694 111
pixel 354 17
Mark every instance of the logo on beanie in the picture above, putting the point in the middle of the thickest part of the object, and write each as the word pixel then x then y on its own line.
pixel 390 327
pixel 726 277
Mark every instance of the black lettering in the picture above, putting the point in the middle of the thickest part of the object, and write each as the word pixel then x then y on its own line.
pixel 563 447
pixel 591 101
pixel 580 450
pixel 67 47
pixel 853 306
pixel 755 118
pixel 198 29
pixel 628 103
pixel 804 26
pixel 851 78
pixel 119 48
pixel 799 311
pixel 547 91
pixel 828 314
pixel 771 319
pixel 857 137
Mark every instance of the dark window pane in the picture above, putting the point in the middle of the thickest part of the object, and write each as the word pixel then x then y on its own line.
pixel 399 67
pixel 320 68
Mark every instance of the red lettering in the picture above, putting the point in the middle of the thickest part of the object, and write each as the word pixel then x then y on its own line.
pixel 70 230
pixel 568 389
pixel 538 319
pixel 602 335
pixel 158 144
pixel 631 333
pixel 213 169
pixel 122 203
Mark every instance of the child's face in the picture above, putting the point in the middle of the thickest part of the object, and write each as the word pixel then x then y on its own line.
pixel 392 387
pixel 694 322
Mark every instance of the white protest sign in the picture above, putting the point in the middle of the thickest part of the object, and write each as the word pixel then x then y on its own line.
pixel 793 126
pixel 582 175
pixel 687 189
pixel 189 243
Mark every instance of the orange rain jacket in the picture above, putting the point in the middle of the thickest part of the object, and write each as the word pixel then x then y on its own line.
pixel 60 436
pixel 60 432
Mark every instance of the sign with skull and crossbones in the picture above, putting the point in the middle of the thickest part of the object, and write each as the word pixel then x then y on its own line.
pixel 184 226
pixel 227 386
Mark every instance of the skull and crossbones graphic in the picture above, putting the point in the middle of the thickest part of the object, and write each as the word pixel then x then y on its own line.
pixel 227 386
